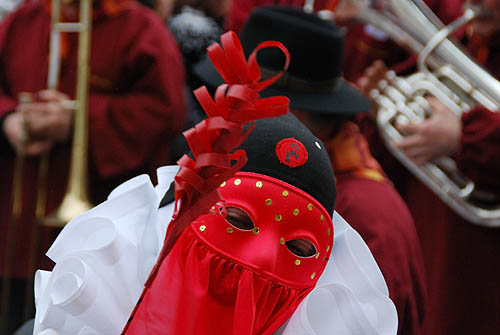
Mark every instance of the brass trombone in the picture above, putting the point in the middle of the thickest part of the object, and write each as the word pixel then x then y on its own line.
pixel 75 200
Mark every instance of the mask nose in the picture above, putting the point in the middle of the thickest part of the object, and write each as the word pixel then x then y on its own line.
pixel 263 250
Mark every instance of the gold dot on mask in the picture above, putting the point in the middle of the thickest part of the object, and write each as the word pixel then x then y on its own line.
pixel 256 230
pixel 278 217
pixel 329 231
pixel 237 182
pixel 297 262
pixel 296 211
pixel 282 241
pixel 310 206
pixel 322 217
pixel 327 248
pixel 229 230
pixel 313 275
pixel 203 228
pixel 258 184
pixel 285 194
pixel 223 184
pixel 317 255
pixel 269 202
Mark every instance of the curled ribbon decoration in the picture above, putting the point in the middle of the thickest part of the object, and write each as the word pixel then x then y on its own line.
pixel 229 60
pixel 212 141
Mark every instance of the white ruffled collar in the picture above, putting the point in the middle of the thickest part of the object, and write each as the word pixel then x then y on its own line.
pixel 108 252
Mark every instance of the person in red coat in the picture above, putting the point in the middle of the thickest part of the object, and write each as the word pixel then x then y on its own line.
pixel 366 198
pixel 135 105
pixel 464 297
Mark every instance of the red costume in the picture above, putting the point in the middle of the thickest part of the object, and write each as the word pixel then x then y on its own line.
pixel 374 208
pixel 136 104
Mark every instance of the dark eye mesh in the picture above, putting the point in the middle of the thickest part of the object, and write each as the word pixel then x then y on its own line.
pixel 238 218
pixel 301 248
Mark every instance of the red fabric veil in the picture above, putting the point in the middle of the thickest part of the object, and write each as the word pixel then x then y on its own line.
pixel 203 284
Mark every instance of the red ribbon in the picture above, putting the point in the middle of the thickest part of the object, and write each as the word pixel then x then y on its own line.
pixel 212 141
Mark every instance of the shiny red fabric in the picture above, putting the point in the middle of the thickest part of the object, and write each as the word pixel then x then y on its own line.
pixel 280 213
pixel 220 279
pixel 199 291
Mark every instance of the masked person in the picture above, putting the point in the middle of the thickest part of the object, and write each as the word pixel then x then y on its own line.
pixel 326 103
pixel 135 102
pixel 251 244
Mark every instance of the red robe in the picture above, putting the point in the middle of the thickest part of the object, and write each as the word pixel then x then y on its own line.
pixel 371 205
pixel 460 257
pixel 136 104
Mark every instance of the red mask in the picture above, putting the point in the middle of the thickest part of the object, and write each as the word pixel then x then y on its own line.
pixel 221 279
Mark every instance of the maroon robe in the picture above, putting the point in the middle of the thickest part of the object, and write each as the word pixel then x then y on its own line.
pixel 136 105
pixel 371 205
pixel 460 257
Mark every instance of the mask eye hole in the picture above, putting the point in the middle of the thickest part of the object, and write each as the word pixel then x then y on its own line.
pixel 301 248
pixel 238 218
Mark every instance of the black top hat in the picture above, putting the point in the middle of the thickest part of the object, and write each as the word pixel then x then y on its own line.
pixel 314 80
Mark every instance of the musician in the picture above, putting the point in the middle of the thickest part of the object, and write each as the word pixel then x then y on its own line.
pixel 135 105
pixel 463 295
pixel 366 198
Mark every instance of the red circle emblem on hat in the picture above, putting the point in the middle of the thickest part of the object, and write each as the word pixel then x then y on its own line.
pixel 291 152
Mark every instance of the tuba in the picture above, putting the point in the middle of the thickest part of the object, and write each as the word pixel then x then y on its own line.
pixel 444 71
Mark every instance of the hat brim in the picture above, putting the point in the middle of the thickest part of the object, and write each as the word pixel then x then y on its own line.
pixel 344 100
